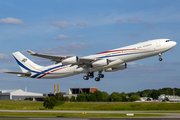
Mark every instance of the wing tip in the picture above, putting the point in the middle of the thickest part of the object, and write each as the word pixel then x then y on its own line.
pixel 30 52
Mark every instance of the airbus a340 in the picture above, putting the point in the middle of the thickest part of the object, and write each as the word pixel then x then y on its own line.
pixel 108 61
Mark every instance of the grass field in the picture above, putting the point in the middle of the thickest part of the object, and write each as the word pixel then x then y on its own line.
pixel 39 114
pixel 91 106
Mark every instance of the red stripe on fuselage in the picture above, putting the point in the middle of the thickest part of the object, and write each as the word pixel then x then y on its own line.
pixel 52 71
pixel 115 51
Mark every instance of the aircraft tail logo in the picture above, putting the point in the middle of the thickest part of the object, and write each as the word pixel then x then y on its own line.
pixel 25 64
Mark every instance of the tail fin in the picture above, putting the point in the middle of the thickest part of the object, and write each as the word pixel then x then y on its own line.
pixel 24 63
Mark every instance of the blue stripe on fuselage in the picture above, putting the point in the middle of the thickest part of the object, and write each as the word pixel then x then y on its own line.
pixel 43 72
pixel 38 73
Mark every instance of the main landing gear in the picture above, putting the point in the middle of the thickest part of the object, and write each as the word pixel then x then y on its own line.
pixel 91 75
pixel 160 59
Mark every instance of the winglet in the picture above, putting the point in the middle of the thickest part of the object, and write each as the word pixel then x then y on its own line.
pixel 31 52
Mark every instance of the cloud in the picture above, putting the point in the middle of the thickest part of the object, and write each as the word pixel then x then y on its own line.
pixel 51 18
pixel 65 49
pixel 119 22
pixel 62 37
pixel 4 70
pixel 134 20
pixel 46 38
pixel 61 24
pixel 11 21
pixel 81 24
pixel 129 20
pixel 150 25
pixel 80 36
pixel 4 56
pixel 133 34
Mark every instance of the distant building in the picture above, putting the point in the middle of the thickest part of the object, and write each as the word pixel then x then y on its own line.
pixel 171 98
pixel 17 94
pixel 144 99
pixel 80 90
pixel 75 91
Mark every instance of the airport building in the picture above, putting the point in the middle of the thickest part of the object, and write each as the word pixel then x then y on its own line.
pixel 75 91
pixel 80 90
pixel 144 99
pixel 17 94
pixel 172 98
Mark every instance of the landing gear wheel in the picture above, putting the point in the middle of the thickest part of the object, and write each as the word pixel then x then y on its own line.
pixel 101 76
pixel 160 54
pixel 160 59
pixel 91 76
pixel 97 79
pixel 85 77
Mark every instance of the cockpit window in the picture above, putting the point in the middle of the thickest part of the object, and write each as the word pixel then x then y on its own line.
pixel 168 40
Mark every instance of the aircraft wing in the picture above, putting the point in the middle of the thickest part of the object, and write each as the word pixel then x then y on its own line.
pixel 55 58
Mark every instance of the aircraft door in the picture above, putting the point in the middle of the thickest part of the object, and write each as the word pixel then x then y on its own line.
pixel 158 43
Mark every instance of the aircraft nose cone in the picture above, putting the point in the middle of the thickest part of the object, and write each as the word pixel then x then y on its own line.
pixel 174 43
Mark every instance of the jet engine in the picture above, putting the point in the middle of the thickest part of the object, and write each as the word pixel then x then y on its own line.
pixel 99 63
pixel 113 69
pixel 70 60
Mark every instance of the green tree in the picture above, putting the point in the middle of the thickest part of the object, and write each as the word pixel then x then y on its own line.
pixel 115 96
pixel 105 96
pixel 72 98
pixel 91 97
pixel 134 98
pixel 130 94
pixel 66 98
pixel 148 99
pixel 123 96
pixel 167 91
pixel 144 95
pixel 81 97
pixel 155 94
pixel 49 102
pixel 59 97
pixel 99 95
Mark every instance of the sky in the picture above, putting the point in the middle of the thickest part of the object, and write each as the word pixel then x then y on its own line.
pixel 81 28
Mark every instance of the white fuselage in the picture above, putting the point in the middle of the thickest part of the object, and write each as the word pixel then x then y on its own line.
pixel 115 56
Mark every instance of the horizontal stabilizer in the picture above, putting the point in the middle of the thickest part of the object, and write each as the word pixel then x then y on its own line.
pixel 20 73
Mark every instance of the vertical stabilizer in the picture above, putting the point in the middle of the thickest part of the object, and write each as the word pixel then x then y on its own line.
pixel 24 63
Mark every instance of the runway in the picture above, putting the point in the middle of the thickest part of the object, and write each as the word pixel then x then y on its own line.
pixel 42 118
pixel 169 116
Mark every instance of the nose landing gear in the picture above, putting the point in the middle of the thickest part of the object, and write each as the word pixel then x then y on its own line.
pixel 160 59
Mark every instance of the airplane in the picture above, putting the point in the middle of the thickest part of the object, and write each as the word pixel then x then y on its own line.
pixel 108 61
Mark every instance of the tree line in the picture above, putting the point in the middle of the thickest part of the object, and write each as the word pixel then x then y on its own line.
pixel 102 96
pixel 97 96
pixel 153 93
